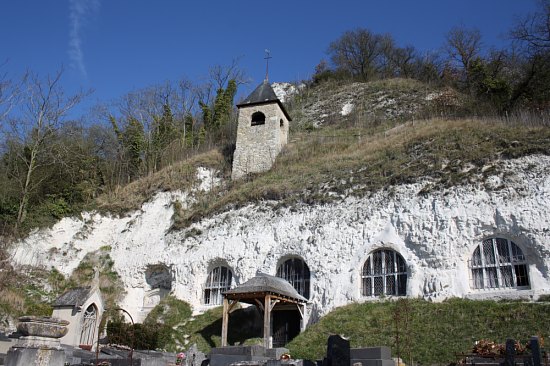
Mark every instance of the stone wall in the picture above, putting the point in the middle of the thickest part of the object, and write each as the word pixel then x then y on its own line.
pixel 258 146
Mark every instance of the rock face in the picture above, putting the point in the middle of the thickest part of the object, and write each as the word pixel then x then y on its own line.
pixel 436 234
pixel 286 91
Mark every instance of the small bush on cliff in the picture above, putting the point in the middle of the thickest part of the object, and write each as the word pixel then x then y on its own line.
pixel 166 317
pixel 110 284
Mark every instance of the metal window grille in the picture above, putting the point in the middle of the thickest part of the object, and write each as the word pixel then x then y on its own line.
pixel 87 331
pixel 218 281
pixel 384 273
pixel 498 263
pixel 296 271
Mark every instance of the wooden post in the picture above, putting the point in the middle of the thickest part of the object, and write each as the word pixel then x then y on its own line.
pixel 302 309
pixel 267 320
pixel 225 321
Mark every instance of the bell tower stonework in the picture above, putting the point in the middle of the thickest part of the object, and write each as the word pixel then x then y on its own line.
pixel 262 131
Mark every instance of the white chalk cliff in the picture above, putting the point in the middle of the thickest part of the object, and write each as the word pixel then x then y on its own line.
pixel 435 233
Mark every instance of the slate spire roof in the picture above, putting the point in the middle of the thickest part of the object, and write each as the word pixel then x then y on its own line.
pixel 263 94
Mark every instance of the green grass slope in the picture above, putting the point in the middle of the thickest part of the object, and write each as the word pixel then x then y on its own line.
pixel 428 332
pixel 418 331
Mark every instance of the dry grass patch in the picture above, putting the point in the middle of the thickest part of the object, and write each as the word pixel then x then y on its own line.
pixel 179 176
pixel 367 103
pixel 13 302
pixel 331 163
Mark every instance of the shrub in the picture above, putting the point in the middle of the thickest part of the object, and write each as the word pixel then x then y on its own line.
pixel 170 311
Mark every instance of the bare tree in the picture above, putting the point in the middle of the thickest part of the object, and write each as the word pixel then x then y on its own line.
pixel 9 91
pixel 402 61
pixel 383 62
pixel 531 36
pixel 188 101
pixel 463 45
pixel 187 97
pixel 534 30
pixel 43 110
pixel 357 52
pixel 220 75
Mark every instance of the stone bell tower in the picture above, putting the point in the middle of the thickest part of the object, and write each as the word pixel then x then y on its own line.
pixel 262 131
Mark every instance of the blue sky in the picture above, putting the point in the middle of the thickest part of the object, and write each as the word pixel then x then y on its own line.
pixel 116 46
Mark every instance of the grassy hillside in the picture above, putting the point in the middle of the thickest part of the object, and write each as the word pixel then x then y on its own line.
pixel 181 175
pixel 388 138
pixel 329 163
pixel 373 102
pixel 429 333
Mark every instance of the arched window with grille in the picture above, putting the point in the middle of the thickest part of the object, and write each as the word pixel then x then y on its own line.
pixel 384 274
pixel 498 263
pixel 296 271
pixel 88 326
pixel 258 118
pixel 219 280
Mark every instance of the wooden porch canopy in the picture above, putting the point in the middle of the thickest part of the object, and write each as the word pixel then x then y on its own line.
pixel 265 292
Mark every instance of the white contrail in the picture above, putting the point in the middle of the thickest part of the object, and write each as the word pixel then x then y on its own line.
pixel 80 12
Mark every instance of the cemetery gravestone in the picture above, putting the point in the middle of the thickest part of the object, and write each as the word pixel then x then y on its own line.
pixel 338 353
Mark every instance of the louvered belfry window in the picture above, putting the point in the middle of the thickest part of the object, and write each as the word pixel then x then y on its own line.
pixel 498 263
pixel 384 274
pixel 258 118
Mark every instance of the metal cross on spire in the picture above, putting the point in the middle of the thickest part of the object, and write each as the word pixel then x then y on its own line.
pixel 267 57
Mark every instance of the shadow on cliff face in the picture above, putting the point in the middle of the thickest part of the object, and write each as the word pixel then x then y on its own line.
pixel 245 326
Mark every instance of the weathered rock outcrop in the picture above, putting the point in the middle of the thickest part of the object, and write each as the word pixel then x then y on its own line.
pixel 435 233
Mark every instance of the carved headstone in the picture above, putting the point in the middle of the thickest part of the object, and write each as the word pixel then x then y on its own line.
pixel 371 356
